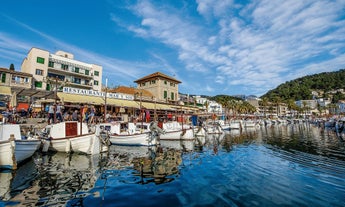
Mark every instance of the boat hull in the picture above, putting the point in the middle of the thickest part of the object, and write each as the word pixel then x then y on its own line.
pixel 7 160
pixel 144 139
pixel 72 136
pixel 214 129
pixel 24 149
pixel 80 143
pixel 185 134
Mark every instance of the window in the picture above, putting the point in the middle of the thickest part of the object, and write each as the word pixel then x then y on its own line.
pixel 38 84
pixel 63 66
pixel 77 80
pixel 39 72
pixel 142 84
pixel 3 77
pixel 165 94
pixel 153 81
pixel 172 96
pixel 95 83
pixel 48 87
pixel 51 64
pixel 40 60
pixel 87 82
pixel 165 82
pixel 172 84
pixel 76 70
pixel 96 73
pixel 87 72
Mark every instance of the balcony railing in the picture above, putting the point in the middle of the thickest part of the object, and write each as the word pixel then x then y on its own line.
pixel 69 72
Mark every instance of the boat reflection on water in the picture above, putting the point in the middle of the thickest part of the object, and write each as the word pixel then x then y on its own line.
pixel 54 180
pixel 270 166
pixel 150 164
pixel 5 185
pixel 158 169
pixel 14 182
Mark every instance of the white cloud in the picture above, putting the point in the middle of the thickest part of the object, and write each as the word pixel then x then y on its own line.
pixel 216 8
pixel 256 49
pixel 254 46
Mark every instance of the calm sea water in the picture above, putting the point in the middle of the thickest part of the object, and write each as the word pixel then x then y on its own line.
pixel 285 165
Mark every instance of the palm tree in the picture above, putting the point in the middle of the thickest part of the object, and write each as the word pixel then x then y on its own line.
pixel 206 104
pixel 232 105
pixel 291 105
pixel 304 108
pixel 277 101
pixel 264 104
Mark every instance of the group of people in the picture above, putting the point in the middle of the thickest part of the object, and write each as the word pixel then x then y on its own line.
pixel 14 116
pixel 57 113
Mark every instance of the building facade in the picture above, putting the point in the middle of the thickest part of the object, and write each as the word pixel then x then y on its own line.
pixel 60 68
pixel 12 78
pixel 164 88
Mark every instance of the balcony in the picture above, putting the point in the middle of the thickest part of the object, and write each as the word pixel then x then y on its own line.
pixel 20 84
pixel 69 72
pixel 78 85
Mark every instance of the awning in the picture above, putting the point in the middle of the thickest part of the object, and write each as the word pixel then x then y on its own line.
pixel 148 105
pixel 122 103
pixel 164 107
pixel 185 108
pixel 33 92
pixel 5 90
pixel 82 99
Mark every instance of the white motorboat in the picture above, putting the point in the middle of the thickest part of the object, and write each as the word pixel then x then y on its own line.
pixel 199 131
pixel 249 123
pixel 214 128
pixel 7 159
pixel 128 133
pixel 72 136
pixel 174 131
pixel 15 148
pixel 235 124
pixel 224 125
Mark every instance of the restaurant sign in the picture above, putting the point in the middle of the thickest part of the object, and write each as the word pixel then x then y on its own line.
pixel 86 92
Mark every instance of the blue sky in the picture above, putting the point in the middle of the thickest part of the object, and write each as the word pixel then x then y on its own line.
pixel 212 46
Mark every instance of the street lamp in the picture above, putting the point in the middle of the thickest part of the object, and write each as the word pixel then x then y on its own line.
pixel 140 106
pixel 105 100
pixel 56 79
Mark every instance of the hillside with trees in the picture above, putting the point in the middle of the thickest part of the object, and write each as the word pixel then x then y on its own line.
pixel 301 88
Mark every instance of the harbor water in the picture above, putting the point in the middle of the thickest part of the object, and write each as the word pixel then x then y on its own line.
pixel 278 165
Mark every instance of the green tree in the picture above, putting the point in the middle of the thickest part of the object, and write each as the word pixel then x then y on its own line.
pixel 11 66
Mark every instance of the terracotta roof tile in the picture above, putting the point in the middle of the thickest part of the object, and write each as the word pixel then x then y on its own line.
pixel 157 75
pixel 130 90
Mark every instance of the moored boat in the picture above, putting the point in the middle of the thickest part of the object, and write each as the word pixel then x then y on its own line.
pixel 214 128
pixel 124 133
pixel 174 131
pixel 72 136
pixel 7 160
pixel 235 124
pixel 15 148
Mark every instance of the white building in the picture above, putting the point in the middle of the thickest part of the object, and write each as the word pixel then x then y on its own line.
pixel 48 69
pixel 311 104
pixel 214 107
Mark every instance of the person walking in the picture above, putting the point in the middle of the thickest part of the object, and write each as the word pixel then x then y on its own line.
pixel 92 114
pixel 75 115
pixel 51 114
pixel 59 112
